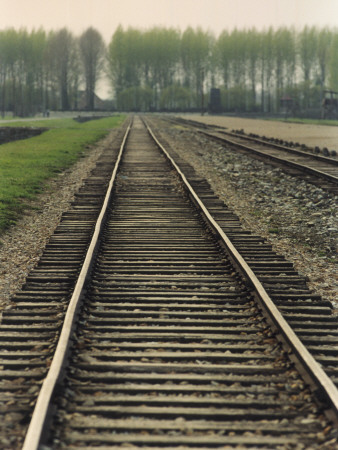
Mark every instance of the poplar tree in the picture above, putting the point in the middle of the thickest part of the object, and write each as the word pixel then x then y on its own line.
pixel 62 50
pixel 333 62
pixel 125 59
pixel 284 61
pixel 307 48
pixel 253 51
pixel 324 41
pixel 196 56
pixel 92 54
pixel 222 55
pixel 8 58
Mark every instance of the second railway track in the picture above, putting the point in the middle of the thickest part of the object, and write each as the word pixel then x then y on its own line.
pixel 317 169
pixel 171 348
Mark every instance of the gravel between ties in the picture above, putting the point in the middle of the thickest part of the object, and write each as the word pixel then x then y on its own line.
pixel 23 244
pixel 297 218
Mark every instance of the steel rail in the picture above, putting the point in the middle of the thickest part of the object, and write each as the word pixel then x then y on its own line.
pixel 41 410
pixel 318 173
pixel 260 141
pixel 294 151
pixel 321 384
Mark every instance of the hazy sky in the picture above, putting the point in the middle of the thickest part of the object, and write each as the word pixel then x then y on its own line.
pixel 213 15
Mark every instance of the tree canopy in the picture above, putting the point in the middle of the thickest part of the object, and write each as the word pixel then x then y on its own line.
pixel 167 69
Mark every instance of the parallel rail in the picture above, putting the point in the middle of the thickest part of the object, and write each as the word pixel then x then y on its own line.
pixel 305 361
pixel 55 374
pixel 317 167
pixel 159 308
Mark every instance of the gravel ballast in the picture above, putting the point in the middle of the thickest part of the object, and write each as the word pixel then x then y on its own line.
pixel 299 219
pixel 22 245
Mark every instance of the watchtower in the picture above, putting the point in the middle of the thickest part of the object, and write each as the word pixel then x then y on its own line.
pixel 330 105
pixel 215 105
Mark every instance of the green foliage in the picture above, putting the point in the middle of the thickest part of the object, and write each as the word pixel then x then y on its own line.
pixel 176 97
pixel 307 47
pixel 40 70
pixel 124 57
pixel 160 47
pixel 255 69
pixel 135 98
pixel 234 98
pixel 333 63
pixel 25 165
pixel 63 50
pixel 139 61
pixel 92 54
pixel 196 50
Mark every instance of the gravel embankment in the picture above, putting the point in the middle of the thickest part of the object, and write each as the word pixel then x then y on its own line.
pixel 299 219
pixel 22 245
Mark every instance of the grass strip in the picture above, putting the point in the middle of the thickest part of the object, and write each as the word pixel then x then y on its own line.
pixel 26 165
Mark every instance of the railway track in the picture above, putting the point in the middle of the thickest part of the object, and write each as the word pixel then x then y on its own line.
pixel 317 169
pixel 171 347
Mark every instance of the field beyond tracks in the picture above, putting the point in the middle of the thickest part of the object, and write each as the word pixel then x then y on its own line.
pixel 26 165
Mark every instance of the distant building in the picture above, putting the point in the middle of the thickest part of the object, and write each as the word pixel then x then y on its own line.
pixel 215 105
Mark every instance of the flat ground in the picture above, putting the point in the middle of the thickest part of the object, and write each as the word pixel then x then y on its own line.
pixel 311 135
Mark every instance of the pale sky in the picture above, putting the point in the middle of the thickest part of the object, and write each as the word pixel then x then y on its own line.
pixel 213 15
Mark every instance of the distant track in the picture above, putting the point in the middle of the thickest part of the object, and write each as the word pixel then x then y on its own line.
pixel 170 346
pixel 317 169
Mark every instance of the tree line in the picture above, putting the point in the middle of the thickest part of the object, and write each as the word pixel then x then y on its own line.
pixel 166 69
pixel 41 71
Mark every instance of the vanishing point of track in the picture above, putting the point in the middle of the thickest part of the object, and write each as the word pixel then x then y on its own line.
pixel 164 343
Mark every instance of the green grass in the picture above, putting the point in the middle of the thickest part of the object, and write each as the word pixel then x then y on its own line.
pixel 26 165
